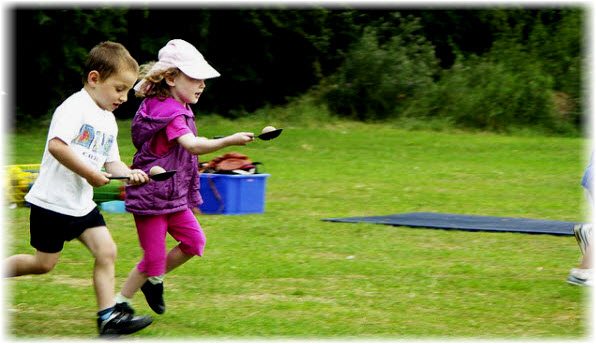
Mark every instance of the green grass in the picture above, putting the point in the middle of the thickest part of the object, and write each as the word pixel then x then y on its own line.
pixel 287 274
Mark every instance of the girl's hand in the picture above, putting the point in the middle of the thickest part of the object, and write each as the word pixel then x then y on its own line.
pixel 138 177
pixel 241 139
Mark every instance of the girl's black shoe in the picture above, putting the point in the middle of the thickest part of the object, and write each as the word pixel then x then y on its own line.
pixel 154 296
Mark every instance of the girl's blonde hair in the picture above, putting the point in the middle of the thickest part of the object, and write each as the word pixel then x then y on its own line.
pixel 154 85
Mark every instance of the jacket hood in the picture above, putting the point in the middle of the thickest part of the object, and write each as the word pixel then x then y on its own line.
pixel 145 125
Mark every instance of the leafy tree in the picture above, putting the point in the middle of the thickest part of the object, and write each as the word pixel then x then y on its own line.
pixel 382 71
pixel 269 55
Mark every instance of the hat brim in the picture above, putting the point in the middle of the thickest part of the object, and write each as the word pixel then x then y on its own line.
pixel 200 71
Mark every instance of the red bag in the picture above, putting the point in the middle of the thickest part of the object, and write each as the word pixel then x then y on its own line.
pixel 227 163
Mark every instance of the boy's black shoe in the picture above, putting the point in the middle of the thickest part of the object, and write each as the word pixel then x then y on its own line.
pixel 154 295
pixel 126 308
pixel 122 322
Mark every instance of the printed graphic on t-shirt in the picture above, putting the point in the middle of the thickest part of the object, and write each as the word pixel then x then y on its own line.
pixel 86 136
pixel 96 141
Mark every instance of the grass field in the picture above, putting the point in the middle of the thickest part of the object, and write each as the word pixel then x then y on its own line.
pixel 287 274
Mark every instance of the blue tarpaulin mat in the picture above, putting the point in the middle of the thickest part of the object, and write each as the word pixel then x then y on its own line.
pixel 468 223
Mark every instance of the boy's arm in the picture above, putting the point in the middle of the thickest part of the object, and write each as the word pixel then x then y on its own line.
pixel 119 168
pixel 201 145
pixel 67 157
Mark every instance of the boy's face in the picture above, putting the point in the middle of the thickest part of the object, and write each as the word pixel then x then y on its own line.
pixel 110 93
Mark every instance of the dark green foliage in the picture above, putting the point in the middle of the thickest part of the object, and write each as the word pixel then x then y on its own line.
pixel 484 94
pixel 529 77
pixel 479 67
pixel 380 75
pixel 51 48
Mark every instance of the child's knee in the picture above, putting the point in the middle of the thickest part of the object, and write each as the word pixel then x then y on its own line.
pixel 195 246
pixel 40 263
pixel 44 268
pixel 107 254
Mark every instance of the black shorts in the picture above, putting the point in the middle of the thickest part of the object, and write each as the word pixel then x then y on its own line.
pixel 49 230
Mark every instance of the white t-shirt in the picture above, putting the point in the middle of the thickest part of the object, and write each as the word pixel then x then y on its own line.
pixel 91 132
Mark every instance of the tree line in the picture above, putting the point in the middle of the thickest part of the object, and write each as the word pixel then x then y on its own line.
pixel 486 67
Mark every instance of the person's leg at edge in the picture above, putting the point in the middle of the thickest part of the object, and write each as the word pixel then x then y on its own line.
pixel 586 262
pixel 582 275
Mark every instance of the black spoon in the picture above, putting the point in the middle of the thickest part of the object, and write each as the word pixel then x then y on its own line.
pixel 157 177
pixel 270 135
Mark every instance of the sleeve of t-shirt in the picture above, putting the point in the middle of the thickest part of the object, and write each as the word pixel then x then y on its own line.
pixel 177 128
pixel 65 125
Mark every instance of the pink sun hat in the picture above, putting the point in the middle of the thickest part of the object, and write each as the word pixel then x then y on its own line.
pixel 183 55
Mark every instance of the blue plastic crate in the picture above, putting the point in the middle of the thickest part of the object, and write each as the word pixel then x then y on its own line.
pixel 232 194
pixel 113 206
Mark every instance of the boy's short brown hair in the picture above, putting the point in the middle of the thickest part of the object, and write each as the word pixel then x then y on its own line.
pixel 109 58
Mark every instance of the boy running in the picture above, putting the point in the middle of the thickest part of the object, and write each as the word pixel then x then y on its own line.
pixel 81 140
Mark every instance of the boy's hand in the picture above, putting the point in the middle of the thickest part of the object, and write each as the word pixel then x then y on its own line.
pixel 138 177
pixel 98 179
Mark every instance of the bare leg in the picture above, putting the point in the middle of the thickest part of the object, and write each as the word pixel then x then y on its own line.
pixel 27 264
pixel 102 246
pixel 586 262
pixel 136 279
pixel 176 258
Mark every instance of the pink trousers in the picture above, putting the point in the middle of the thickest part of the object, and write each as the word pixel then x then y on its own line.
pixel 152 229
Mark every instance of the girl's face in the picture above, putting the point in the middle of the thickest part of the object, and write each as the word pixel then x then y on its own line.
pixel 112 92
pixel 185 89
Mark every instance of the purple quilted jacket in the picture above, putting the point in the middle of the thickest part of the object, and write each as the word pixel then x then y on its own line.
pixel 182 190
